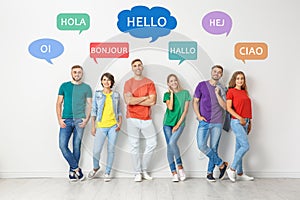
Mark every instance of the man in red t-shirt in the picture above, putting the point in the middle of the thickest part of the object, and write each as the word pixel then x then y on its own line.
pixel 140 95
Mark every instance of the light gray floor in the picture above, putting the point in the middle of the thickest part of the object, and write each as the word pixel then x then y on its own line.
pixel 159 188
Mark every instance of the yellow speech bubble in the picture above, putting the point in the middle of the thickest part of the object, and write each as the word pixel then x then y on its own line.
pixel 251 51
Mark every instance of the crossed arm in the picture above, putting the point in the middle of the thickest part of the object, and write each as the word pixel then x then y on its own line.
pixel 142 101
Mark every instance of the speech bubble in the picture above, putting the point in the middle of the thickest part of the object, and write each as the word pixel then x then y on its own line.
pixel 182 50
pixel 109 50
pixel 73 21
pixel 142 22
pixel 46 49
pixel 217 23
pixel 251 51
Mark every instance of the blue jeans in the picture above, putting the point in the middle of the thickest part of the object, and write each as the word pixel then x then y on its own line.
pixel 172 147
pixel 72 126
pixel 213 130
pixel 101 134
pixel 241 144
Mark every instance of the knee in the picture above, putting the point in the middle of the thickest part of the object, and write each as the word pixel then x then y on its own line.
pixel 111 150
pixel 245 147
pixel 151 145
pixel 202 147
pixel 172 144
pixel 63 147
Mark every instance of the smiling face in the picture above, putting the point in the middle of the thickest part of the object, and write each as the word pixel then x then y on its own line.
pixel 106 82
pixel 240 81
pixel 216 73
pixel 77 74
pixel 173 83
pixel 137 68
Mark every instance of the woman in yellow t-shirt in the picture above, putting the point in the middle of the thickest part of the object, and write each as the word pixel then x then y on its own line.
pixel 106 122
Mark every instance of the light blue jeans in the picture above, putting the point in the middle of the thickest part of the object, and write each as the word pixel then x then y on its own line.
pixel 138 129
pixel 72 127
pixel 101 134
pixel 241 144
pixel 213 130
pixel 172 147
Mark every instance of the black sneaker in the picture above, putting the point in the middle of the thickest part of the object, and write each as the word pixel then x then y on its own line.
pixel 222 171
pixel 72 176
pixel 80 175
pixel 210 178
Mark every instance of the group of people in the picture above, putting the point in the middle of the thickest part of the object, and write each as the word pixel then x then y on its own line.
pixel 76 105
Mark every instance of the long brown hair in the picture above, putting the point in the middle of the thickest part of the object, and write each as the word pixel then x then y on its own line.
pixel 233 79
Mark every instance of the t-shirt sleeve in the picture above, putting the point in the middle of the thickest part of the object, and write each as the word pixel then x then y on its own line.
pixel 229 95
pixel 197 93
pixel 152 90
pixel 166 97
pixel 89 92
pixel 127 87
pixel 61 90
pixel 187 96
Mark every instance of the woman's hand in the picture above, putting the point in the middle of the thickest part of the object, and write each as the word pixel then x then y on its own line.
pixel 243 121
pixel 118 126
pixel 93 131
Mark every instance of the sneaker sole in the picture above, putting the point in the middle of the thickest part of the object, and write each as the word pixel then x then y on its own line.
pixel 211 180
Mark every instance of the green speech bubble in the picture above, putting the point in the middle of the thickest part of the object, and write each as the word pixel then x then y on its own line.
pixel 183 50
pixel 73 21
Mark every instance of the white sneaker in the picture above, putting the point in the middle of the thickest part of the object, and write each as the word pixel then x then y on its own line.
pixel 175 178
pixel 231 174
pixel 147 176
pixel 138 178
pixel 107 177
pixel 93 173
pixel 182 176
pixel 244 177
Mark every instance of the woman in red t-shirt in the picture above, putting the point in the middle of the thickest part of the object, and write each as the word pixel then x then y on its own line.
pixel 239 106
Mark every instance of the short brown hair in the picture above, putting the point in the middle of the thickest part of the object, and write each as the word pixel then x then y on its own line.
pixel 217 66
pixel 136 60
pixel 110 77
pixel 77 66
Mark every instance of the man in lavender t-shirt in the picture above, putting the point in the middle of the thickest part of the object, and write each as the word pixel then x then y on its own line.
pixel 209 105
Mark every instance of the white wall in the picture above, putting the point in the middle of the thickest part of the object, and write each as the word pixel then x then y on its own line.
pixel 29 128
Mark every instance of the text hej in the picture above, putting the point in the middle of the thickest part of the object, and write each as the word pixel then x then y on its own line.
pixel 216 22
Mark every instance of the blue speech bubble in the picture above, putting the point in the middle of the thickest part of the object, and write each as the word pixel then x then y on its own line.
pixel 46 49
pixel 182 50
pixel 142 22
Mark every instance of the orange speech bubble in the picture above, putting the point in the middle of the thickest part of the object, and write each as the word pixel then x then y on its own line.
pixel 251 51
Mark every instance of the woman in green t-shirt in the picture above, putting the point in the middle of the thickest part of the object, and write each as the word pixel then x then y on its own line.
pixel 177 101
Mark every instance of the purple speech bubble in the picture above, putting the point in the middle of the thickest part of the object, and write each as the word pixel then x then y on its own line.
pixel 217 22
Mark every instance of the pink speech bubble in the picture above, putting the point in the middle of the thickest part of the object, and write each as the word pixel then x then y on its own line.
pixel 109 50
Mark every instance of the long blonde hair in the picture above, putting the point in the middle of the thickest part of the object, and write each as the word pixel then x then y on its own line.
pixel 168 79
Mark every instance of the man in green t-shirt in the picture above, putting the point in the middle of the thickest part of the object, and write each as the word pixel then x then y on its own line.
pixel 76 99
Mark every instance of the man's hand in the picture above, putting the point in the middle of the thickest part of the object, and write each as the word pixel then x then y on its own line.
pixel 62 123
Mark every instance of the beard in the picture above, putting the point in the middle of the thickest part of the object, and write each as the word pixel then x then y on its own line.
pixel 77 79
pixel 215 78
